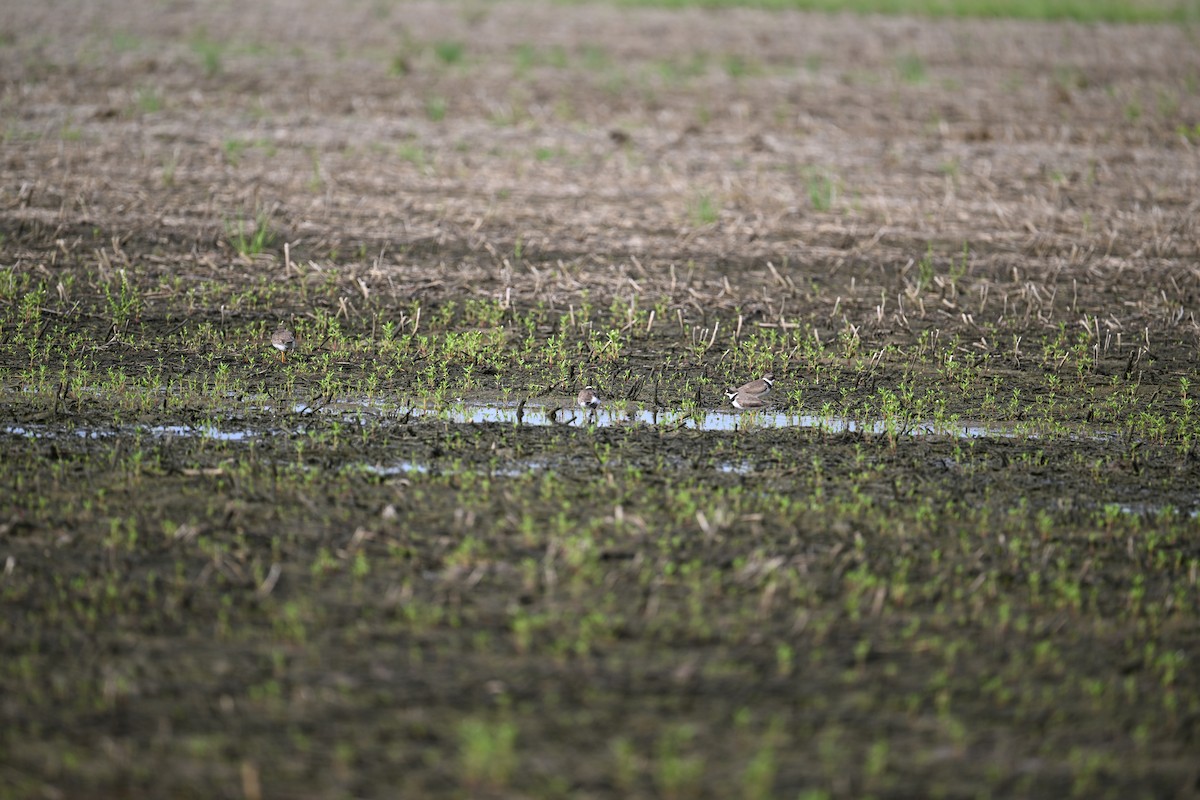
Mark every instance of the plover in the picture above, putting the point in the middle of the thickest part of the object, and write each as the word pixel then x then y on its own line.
pixel 743 400
pixel 588 398
pixel 283 340
pixel 760 387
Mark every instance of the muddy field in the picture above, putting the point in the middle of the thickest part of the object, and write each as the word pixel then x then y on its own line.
pixel 958 555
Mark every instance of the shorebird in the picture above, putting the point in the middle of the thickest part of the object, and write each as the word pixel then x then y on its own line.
pixel 760 387
pixel 743 400
pixel 283 340
pixel 588 398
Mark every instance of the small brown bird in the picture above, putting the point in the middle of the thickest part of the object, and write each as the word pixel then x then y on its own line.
pixel 283 340
pixel 760 387
pixel 743 400
pixel 588 398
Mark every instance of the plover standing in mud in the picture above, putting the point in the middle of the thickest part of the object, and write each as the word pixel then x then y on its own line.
pixel 283 340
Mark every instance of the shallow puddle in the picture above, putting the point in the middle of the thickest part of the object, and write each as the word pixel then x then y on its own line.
pixel 156 431
pixel 203 431
pixel 512 413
